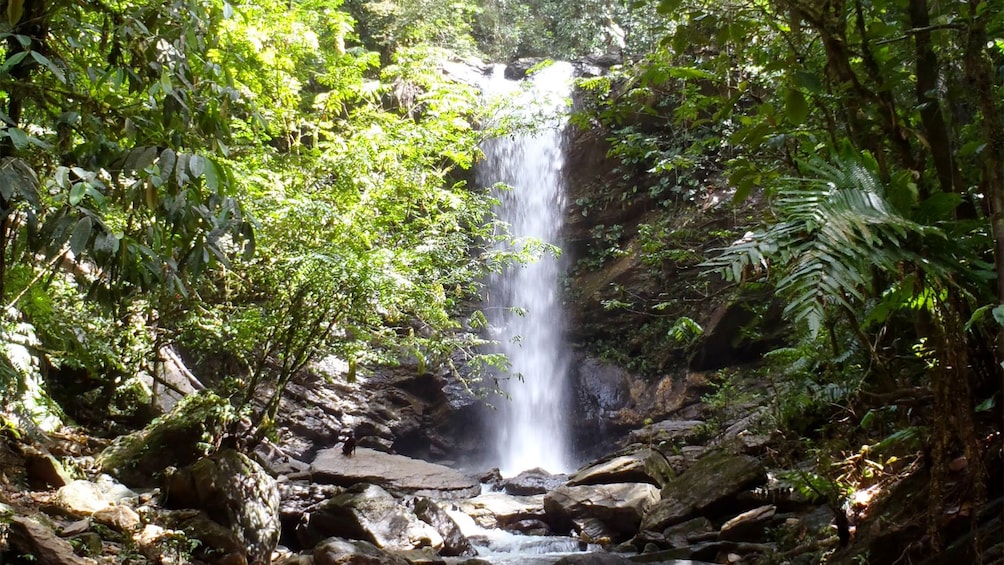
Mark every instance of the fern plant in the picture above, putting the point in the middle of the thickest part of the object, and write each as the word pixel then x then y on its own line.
pixel 834 228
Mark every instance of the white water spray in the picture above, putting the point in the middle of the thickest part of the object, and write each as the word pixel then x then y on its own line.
pixel 532 425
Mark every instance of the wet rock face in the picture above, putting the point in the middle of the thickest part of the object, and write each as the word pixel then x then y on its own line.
pixel 601 391
pixel 394 409
pixel 726 340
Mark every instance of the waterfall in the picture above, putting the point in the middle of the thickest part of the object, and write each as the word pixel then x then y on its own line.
pixel 531 425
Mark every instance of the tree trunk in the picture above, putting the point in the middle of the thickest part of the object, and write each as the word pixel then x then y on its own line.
pixel 928 73
pixel 979 71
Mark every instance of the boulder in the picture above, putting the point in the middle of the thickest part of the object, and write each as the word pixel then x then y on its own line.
pixel 114 491
pixel 637 464
pixel 176 439
pixel 234 492
pixel 592 530
pixel 708 487
pixel 26 536
pixel 337 551
pixel 395 473
pixel 533 481
pixel 454 541
pixel 368 512
pixel 619 506
pixel 501 510
pixel 81 498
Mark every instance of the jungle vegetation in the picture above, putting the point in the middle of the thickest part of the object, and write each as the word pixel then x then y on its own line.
pixel 273 181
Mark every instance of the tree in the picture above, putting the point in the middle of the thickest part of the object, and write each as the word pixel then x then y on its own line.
pixel 249 180
pixel 850 118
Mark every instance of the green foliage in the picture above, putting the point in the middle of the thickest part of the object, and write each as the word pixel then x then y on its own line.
pixel 250 180
pixel 816 487
pixel 831 231
pixel 728 396
pixel 548 28
pixel 685 331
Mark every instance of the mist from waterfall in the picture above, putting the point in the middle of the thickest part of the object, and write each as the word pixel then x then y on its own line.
pixel 531 426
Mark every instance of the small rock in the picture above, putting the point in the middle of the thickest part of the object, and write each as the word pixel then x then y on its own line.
pixel 75 528
pixel 120 517
pixel 530 527
pixel 749 525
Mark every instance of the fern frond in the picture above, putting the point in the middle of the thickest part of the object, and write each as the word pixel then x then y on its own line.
pixel 834 228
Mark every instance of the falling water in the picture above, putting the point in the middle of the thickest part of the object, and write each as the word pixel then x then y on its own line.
pixel 531 426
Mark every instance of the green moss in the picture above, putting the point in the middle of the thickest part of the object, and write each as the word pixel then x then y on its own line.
pixel 176 439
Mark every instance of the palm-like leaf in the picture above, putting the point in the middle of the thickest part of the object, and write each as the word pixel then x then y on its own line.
pixel 834 227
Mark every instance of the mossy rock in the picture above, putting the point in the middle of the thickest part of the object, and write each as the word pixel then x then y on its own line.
pixel 176 439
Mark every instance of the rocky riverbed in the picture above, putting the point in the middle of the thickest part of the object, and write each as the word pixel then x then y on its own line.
pixel 162 495
pixel 684 486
